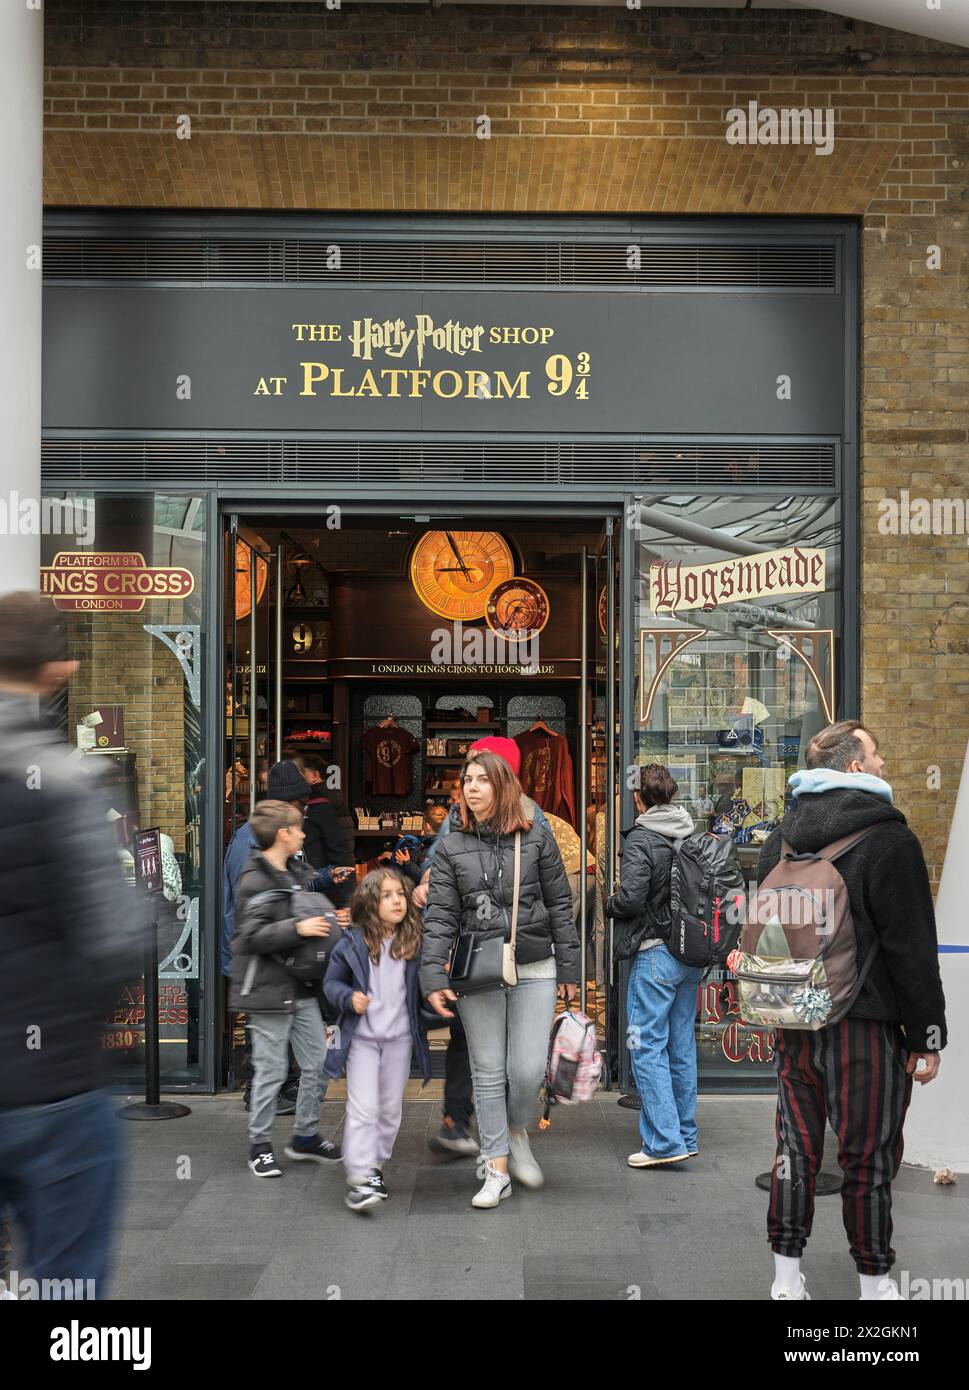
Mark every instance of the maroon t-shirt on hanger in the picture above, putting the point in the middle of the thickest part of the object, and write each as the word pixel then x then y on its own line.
pixel 387 754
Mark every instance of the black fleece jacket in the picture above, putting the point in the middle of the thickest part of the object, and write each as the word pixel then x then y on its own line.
pixel 891 903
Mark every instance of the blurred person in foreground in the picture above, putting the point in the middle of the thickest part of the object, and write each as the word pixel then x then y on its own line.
pixel 70 936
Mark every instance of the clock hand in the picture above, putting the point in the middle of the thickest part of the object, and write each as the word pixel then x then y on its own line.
pixel 455 569
pixel 457 553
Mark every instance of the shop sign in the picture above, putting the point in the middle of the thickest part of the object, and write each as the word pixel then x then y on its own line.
pixel 457 360
pixel 110 581
pixel 675 587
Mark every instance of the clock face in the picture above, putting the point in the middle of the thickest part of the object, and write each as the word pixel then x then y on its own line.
pixel 243 587
pixel 454 571
pixel 517 608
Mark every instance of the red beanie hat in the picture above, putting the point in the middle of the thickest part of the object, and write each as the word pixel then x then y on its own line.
pixel 505 748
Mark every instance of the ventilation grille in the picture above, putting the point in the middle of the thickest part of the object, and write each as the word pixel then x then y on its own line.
pixel 493 262
pixel 486 465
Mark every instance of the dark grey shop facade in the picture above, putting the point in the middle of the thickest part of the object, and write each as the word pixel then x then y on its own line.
pixel 652 423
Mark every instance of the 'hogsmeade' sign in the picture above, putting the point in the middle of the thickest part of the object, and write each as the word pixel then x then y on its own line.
pixel 674 586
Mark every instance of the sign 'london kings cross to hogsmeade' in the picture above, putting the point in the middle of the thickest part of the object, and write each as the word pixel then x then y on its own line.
pixel 563 361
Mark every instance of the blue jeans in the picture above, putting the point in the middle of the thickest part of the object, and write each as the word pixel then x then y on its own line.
pixel 60 1178
pixel 661 1014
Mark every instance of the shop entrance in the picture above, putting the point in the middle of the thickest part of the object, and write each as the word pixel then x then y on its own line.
pixel 377 647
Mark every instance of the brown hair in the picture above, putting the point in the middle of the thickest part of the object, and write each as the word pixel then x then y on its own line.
pixel 507 816
pixel 838 746
pixel 656 785
pixel 269 818
pixel 365 914
pixel 436 816
pixel 31 635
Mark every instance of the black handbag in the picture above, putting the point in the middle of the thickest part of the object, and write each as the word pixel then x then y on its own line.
pixel 479 962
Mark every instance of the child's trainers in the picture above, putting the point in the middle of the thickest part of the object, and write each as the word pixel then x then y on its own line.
pixel 379 1186
pixel 368 1193
pixel 262 1162
pixel 314 1148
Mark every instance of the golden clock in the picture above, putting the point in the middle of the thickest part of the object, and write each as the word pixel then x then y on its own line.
pixel 517 608
pixel 453 572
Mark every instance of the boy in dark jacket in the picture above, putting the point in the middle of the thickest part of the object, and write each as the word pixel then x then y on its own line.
pixel 280 1009
pixel 857 1073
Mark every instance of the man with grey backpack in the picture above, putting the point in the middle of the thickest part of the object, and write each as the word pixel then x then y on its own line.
pixel 839 952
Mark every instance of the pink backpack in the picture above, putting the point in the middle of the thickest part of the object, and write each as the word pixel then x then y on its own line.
pixel 574 1070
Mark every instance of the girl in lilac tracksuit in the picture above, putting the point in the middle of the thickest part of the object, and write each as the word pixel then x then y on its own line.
pixel 372 979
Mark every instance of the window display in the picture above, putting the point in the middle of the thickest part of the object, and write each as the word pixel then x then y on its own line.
pixel 730 692
pixel 135 708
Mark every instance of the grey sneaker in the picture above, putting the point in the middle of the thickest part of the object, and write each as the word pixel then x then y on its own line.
pixel 453 1141
pixel 521 1161
pixel 496 1187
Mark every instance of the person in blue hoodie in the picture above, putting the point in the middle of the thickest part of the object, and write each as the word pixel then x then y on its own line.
pixel 372 980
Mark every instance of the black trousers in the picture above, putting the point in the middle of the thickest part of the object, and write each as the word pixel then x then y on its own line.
pixel 458 1103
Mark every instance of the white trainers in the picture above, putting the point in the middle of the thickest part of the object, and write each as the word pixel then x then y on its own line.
pixel 521 1160
pixel 798 1295
pixel 496 1187
pixel 890 1292
pixel 644 1160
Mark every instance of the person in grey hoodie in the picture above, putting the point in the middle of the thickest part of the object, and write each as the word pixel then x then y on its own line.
pixel 661 998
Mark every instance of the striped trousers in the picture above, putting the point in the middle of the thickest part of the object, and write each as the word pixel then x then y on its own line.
pixel 852 1074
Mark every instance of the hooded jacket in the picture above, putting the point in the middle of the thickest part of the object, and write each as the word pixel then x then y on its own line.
pixel 349 970
pixel 71 930
pixel 641 906
pixel 260 984
pixel 474 868
pixel 889 895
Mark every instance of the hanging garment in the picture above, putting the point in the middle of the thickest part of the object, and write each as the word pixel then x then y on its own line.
pixel 546 772
pixel 387 753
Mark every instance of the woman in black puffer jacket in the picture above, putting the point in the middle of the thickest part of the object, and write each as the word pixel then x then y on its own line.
pixel 471 890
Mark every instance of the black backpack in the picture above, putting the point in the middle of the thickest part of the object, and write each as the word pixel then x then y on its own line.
pixel 706 899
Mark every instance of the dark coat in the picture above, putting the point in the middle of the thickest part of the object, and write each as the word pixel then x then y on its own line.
pixel 891 903
pixel 349 970
pixel 458 892
pixel 72 933
pixel 261 984
pixel 329 838
pixel 641 906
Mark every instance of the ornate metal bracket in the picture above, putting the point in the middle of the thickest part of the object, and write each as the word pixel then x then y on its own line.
pixel 183 639
pixel 678 639
pixel 821 642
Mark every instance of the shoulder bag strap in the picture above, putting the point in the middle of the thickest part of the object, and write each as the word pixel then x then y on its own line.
pixel 518 876
pixel 839 847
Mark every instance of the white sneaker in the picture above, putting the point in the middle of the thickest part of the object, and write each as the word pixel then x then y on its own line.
pixel 644 1160
pixel 521 1161
pixel 798 1295
pixel 890 1292
pixel 496 1187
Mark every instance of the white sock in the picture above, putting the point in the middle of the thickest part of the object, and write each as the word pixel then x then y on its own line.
pixel 787 1274
pixel 873 1285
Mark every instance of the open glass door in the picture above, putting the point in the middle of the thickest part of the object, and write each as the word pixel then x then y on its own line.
pixel 251 635
pixel 599 785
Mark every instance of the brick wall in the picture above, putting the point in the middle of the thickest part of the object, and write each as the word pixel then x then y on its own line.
pixel 374 107
pixel 123 664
